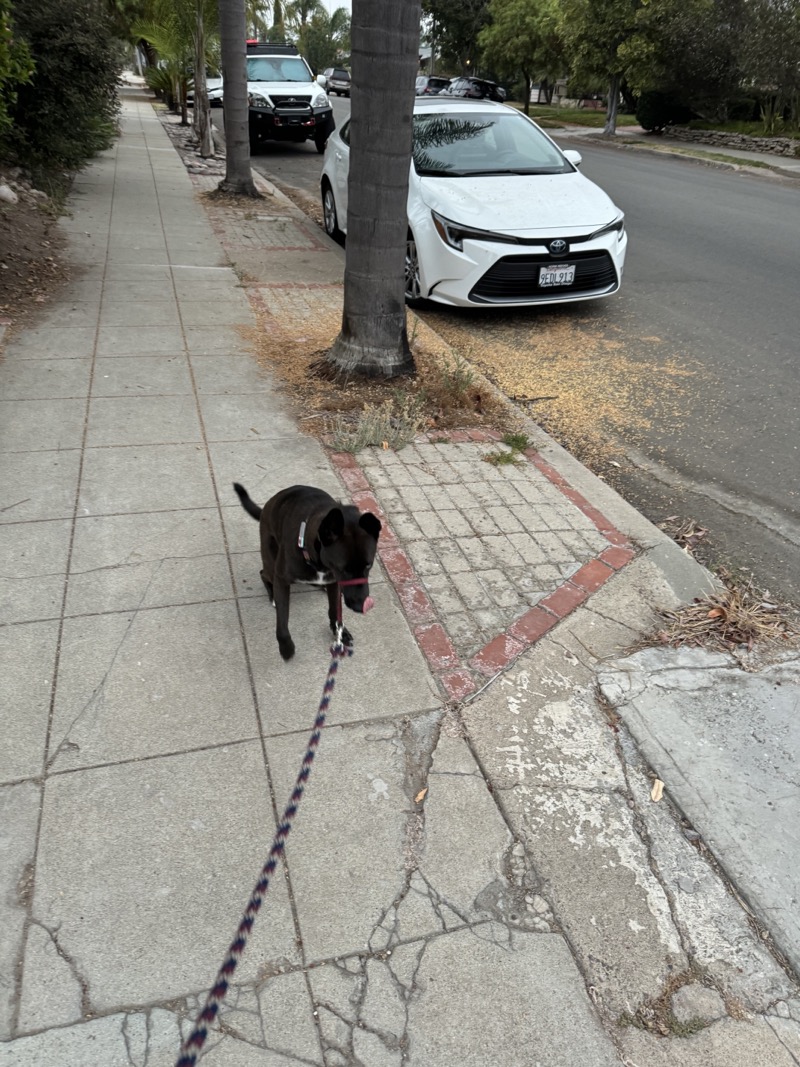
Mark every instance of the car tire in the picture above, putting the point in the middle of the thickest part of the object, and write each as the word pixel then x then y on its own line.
pixel 412 279
pixel 330 218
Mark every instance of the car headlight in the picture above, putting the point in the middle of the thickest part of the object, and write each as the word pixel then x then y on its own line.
pixel 453 234
pixel 617 225
pixel 256 100
pixel 320 101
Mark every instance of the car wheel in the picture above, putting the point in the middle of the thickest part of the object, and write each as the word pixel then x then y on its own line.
pixel 329 216
pixel 413 283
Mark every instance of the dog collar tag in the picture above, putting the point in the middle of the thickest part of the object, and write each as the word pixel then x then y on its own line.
pixel 301 537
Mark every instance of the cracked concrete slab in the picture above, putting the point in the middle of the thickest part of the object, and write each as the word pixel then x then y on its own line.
pixel 541 738
pixel 754 1042
pixel 144 832
pixel 357 794
pixel 123 562
pixel 270 1024
pixel 714 926
pixel 28 655
pixel 51 980
pixel 471 996
pixel 136 684
pixel 19 817
pixel 725 742
pixel 139 1040
pixel 459 866
pixel 532 1007
pixel 595 871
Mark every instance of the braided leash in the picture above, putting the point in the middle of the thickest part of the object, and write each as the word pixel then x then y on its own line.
pixel 193 1045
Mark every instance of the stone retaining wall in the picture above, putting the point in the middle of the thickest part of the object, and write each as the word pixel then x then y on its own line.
pixel 778 146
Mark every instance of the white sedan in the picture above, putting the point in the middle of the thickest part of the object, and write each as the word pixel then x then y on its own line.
pixel 497 213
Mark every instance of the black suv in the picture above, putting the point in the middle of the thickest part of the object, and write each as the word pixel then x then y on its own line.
pixel 428 84
pixel 476 89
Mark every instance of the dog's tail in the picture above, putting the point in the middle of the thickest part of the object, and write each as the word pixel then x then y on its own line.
pixel 247 503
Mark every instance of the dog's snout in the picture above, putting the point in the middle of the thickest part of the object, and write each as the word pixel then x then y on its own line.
pixel 359 600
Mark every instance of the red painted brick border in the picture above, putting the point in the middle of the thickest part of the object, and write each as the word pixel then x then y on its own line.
pixel 456 679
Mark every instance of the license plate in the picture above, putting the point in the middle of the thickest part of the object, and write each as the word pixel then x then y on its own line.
pixel 556 274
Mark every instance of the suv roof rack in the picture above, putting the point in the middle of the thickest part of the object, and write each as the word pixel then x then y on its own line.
pixel 264 47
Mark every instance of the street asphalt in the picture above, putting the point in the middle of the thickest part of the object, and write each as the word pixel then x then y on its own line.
pixel 478 871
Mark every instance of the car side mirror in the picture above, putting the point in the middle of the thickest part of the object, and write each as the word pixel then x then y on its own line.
pixel 322 80
pixel 573 157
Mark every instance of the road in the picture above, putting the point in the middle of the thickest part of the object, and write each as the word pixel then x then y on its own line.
pixel 682 390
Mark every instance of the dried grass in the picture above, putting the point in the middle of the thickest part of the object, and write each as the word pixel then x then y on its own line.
pixel 734 618
pixel 446 392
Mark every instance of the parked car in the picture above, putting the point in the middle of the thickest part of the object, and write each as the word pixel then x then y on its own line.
pixel 335 80
pixel 497 213
pixel 285 102
pixel 475 89
pixel 214 89
pixel 428 85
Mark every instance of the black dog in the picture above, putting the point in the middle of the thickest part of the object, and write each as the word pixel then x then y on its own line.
pixel 306 536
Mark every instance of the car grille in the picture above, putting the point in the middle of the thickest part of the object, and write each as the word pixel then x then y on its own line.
pixel 517 278
pixel 291 101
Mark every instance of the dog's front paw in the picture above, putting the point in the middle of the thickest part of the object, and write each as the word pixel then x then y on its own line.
pixel 286 646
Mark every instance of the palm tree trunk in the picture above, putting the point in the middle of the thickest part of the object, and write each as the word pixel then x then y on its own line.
pixel 232 30
pixel 202 115
pixel 385 54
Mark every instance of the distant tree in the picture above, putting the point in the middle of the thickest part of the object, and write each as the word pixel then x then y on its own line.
pixel 595 33
pixel 238 176
pixel 458 23
pixel 277 32
pixel 168 32
pixel 770 55
pixel 688 51
pixel 257 19
pixel 523 37
pixel 325 37
pixel 374 338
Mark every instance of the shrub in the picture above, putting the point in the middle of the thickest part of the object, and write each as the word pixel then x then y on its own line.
pixel 656 110
pixel 15 65
pixel 67 111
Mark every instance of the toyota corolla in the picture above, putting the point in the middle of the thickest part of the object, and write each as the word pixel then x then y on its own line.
pixel 497 213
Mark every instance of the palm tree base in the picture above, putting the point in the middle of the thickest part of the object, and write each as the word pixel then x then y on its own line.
pixel 349 356
pixel 230 187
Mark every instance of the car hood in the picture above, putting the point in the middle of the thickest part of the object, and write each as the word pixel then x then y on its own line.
pixel 520 203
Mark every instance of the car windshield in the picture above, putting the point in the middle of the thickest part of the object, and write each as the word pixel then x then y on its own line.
pixel 475 143
pixel 340 74
pixel 277 69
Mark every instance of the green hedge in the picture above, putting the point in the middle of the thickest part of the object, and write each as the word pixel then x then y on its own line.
pixel 67 111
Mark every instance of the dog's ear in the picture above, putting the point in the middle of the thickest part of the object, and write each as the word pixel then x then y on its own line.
pixel 371 523
pixel 332 527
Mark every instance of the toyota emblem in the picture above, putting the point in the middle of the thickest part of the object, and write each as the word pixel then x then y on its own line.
pixel 558 247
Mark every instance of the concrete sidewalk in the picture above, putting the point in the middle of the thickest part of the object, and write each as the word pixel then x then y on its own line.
pixel 477 873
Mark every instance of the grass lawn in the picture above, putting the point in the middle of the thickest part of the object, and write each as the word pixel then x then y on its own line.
pixel 550 117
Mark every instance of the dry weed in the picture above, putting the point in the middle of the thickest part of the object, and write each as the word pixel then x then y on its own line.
pixel 734 618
